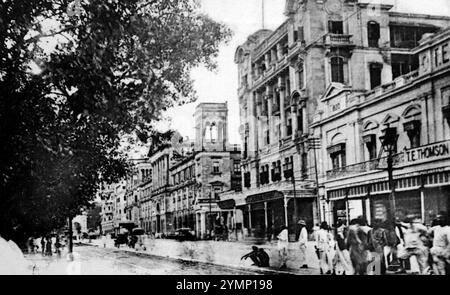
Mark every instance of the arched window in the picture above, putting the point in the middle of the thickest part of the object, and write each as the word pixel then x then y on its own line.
pixel 337 152
pixel 413 125
pixel 337 69
pixel 214 132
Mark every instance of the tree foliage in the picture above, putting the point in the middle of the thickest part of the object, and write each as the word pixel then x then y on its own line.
pixel 117 65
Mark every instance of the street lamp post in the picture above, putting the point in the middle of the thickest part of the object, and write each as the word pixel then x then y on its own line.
pixel 389 142
pixel 209 217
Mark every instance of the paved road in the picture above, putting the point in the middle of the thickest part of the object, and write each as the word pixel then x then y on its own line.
pixel 98 261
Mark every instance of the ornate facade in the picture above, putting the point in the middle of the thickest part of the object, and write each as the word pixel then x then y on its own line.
pixel 324 48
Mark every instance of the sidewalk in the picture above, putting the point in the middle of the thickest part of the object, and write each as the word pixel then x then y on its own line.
pixel 224 253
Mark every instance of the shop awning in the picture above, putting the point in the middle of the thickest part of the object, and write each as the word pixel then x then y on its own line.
pixel 227 204
pixel 264 197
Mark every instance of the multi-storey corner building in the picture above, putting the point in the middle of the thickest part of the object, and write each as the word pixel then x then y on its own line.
pixel 324 49
pixel 416 107
pixel 188 177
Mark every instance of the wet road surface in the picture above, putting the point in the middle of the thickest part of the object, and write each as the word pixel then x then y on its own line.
pixel 89 260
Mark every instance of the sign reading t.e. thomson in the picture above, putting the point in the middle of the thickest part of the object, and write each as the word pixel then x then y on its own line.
pixel 436 151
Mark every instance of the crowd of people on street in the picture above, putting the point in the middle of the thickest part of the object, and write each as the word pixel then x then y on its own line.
pixel 359 249
pixel 47 245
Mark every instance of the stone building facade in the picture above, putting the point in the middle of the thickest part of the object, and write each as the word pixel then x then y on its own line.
pixel 323 49
pixel 187 177
pixel 353 171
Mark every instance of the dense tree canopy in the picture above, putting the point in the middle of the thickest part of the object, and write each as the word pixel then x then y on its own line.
pixel 115 67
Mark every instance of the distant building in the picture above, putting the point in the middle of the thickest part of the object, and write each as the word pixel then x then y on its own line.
pixel 188 176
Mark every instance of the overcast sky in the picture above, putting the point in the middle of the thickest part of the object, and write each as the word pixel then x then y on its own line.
pixel 244 18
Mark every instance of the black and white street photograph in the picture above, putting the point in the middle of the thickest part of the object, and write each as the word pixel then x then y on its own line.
pixel 225 138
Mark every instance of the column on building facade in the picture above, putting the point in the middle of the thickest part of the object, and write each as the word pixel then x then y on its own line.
pixel 294 121
pixel 286 210
pixel 274 119
pixel 273 54
pixel 279 51
pixel 422 204
pixel 304 117
pixel 266 220
pixel 269 111
pixel 368 212
pixel 259 129
pixel 202 224
pixel 267 60
pixel 282 91
pixel 249 219
pixel 252 120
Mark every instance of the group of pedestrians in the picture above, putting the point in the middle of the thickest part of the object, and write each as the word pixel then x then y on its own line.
pixel 48 246
pixel 361 249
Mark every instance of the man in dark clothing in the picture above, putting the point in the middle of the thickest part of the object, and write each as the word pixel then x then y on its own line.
pixel 258 256
pixel 253 256
pixel 263 258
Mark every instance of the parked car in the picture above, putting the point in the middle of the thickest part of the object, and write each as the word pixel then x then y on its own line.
pixel 183 234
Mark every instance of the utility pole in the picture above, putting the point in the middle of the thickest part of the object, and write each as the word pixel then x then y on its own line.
pixel 262 12
pixel 390 162
pixel 314 144
pixel 209 217
pixel 295 203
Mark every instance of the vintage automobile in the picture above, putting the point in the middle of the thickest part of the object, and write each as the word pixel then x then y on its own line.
pixel 182 234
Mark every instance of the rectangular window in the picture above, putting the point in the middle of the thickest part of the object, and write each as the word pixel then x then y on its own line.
pixel 267 136
pixel 237 167
pixel 216 167
pixel 373 31
pixel 289 127
pixel 301 78
pixel 337 70
pixel 336 27
pixel 375 74
pixel 247 183
pixel 301 34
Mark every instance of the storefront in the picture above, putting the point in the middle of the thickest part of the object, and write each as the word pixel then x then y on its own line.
pixel 421 196
pixel 266 213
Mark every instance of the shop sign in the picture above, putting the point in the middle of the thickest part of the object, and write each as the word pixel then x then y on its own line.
pixel 426 153
pixel 380 211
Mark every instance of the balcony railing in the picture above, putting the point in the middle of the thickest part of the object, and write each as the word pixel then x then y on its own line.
pixel 372 165
pixel 338 40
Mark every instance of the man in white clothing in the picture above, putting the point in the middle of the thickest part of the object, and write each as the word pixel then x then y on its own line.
pixel 302 241
pixel 283 246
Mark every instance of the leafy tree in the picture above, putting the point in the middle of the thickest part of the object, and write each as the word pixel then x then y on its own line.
pixel 117 65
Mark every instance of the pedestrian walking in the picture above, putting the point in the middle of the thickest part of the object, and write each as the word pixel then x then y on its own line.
pixel 414 246
pixel 323 248
pixel 48 247
pixel 43 246
pixel 58 247
pixel 440 250
pixel 357 245
pixel 342 262
pixel 377 243
pixel 283 241
pixel 302 243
